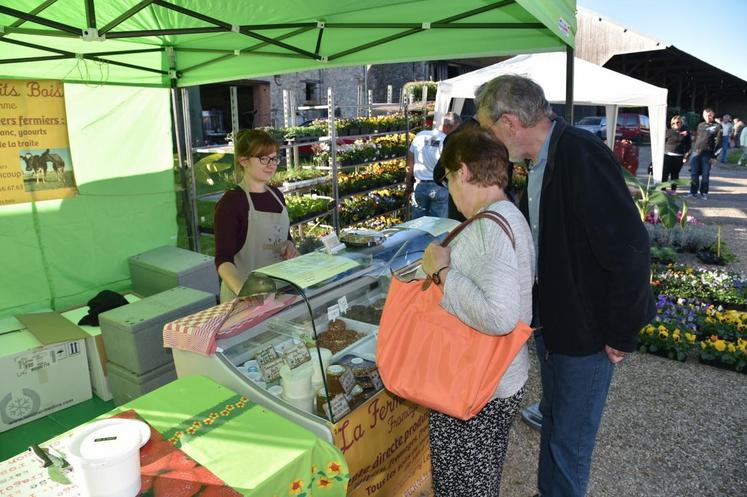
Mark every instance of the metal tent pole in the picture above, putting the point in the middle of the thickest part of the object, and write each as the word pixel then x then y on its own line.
pixel 176 106
pixel 191 187
pixel 332 132
pixel 569 53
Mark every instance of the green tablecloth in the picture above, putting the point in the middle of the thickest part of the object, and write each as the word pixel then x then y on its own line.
pixel 253 450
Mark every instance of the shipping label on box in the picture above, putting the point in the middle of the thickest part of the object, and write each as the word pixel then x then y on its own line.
pixel 41 381
pixel 49 374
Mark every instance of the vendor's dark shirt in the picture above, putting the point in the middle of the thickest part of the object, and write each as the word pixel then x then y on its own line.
pixel 232 220
pixel 677 141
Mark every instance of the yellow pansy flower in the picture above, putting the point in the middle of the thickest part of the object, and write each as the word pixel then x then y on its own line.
pixel 731 347
pixel 720 345
pixel 690 337
pixel 295 487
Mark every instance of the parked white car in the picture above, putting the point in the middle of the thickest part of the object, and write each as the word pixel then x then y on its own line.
pixel 594 124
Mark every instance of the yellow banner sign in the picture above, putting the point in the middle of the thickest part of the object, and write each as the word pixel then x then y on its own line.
pixel 35 162
pixel 385 442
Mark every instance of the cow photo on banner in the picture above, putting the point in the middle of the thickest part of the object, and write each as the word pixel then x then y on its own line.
pixel 35 162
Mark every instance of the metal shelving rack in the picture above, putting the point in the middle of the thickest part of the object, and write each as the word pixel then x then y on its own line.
pixel 292 154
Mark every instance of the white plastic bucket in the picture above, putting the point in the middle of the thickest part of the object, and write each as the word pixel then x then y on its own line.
pixel 105 457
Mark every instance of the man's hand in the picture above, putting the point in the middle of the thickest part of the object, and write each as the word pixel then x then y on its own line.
pixel 614 355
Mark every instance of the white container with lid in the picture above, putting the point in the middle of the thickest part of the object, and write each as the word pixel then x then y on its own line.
pixel 105 457
pixel 297 382
pixel 317 379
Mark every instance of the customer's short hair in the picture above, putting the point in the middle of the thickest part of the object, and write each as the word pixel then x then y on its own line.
pixel 451 119
pixel 485 156
pixel 513 94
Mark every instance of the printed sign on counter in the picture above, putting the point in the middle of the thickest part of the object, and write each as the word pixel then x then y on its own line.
pixel 35 161
pixel 385 442
pixel 309 269
pixel 434 225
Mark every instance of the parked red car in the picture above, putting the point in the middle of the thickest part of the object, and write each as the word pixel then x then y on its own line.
pixel 633 127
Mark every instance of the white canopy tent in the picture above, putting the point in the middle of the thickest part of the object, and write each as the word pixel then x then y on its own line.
pixel 593 85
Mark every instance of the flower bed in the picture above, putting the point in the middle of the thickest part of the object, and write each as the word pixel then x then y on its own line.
pixel 698 314
pixel 716 287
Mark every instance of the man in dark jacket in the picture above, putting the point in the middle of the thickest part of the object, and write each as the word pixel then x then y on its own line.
pixel 592 293
pixel 707 141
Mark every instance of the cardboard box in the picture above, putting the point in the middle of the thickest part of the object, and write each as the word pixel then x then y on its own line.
pixel 95 351
pixel 167 267
pixel 43 366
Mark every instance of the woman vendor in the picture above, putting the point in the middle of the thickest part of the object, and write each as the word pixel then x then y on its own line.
pixel 252 228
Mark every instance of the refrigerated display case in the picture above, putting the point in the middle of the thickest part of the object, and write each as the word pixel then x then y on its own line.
pixel 313 360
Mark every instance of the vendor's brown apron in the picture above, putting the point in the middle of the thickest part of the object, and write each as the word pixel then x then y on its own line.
pixel 265 236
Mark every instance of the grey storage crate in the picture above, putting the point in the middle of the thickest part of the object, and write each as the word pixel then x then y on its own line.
pixel 126 385
pixel 133 333
pixel 167 267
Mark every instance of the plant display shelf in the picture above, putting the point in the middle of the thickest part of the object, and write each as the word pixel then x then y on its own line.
pixel 359 165
pixel 370 190
pixel 311 217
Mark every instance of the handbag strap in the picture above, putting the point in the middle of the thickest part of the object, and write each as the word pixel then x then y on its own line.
pixel 493 216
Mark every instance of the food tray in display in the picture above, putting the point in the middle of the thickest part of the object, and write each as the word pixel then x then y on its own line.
pixel 368 330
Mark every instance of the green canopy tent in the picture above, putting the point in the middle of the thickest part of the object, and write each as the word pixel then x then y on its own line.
pixel 60 252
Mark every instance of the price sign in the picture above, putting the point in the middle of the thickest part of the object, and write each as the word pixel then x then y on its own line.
pixel 376 379
pixel 296 355
pixel 347 380
pixel 271 370
pixel 266 355
pixel 340 407
pixel 333 312
pixel 342 303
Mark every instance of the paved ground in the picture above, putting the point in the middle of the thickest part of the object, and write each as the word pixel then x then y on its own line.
pixel 670 429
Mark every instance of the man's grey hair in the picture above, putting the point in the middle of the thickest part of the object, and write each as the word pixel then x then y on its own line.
pixel 451 119
pixel 513 94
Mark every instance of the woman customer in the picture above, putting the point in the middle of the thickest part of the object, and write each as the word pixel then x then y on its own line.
pixel 726 128
pixel 676 151
pixel 252 228
pixel 487 284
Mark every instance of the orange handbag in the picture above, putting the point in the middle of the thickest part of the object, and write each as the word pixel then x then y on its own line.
pixel 430 357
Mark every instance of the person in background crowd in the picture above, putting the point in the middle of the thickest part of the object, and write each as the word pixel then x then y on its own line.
pixel 591 295
pixel 738 125
pixel 487 284
pixel 252 228
pixel 727 126
pixel 743 144
pixel 439 171
pixel 677 145
pixel 428 198
pixel 703 156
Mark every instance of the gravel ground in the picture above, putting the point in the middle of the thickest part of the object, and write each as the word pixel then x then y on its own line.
pixel 670 429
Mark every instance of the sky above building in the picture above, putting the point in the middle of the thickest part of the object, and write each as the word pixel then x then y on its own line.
pixel 714 32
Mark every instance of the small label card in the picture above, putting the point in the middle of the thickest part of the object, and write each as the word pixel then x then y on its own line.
pixel 376 379
pixel 271 370
pixel 340 407
pixel 347 380
pixel 342 303
pixel 296 355
pixel 266 355
pixel 333 312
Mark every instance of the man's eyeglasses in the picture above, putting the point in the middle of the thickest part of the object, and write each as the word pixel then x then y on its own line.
pixel 445 178
pixel 266 159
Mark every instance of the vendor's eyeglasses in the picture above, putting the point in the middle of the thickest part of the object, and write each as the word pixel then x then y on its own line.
pixel 266 159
